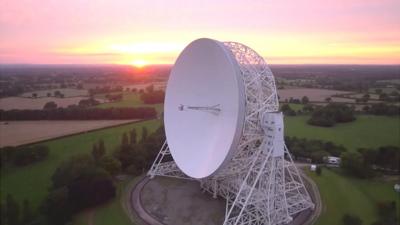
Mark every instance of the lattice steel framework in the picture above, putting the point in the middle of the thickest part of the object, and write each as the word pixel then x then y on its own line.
pixel 261 184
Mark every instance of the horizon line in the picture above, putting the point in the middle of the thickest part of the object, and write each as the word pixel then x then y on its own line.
pixel 171 64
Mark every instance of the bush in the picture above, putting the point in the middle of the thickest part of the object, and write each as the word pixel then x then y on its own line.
pixel 383 109
pixel 354 164
pixel 24 155
pixel 319 170
pixel 50 105
pixel 152 97
pixel 287 110
pixel 305 100
pixel 385 157
pixel 387 213
pixel 88 102
pixel 314 149
pixel 349 219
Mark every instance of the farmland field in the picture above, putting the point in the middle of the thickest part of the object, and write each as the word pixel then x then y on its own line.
pixel 9 103
pixel 366 131
pixel 130 100
pixel 313 94
pixel 341 194
pixel 14 133
pixel 67 92
pixel 31 182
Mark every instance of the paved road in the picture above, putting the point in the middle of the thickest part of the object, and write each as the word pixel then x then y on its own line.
pixel 136 203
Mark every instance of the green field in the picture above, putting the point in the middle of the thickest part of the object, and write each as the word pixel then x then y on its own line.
pixel 366 131
pixel 32 181
pixel 341 194
pixel 130 100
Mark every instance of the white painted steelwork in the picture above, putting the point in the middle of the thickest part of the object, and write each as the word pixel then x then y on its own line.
pixel 257 177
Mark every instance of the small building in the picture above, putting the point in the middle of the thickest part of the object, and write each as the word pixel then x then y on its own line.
pixel 313 167
pixel 397 187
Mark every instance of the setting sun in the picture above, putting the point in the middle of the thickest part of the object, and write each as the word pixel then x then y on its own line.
pixel 139 63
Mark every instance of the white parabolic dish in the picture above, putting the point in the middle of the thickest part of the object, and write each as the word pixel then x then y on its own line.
pixel 204 108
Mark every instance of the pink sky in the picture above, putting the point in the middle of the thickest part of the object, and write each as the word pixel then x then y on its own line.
pixel 147 32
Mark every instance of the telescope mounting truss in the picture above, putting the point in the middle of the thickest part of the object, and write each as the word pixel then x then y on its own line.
pixel 261 184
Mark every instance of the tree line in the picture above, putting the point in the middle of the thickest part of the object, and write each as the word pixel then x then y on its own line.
pixel 23 155
pixel 315 150
pixel 151 96
pixel 382 109
pixel 331 114
pixel 368 162
pixel 79 113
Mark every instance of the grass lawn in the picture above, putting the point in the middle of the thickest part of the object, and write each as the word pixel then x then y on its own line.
pixel 32 181
pixel 366 131
pixel 341 194
pixel 131 100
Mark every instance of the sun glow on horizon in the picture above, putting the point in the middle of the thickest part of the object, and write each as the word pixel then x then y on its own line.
pixel 139 63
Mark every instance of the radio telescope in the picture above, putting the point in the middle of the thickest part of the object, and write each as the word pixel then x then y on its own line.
pixel 223 129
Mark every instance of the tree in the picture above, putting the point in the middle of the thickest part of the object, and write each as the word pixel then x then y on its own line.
pixel 57 93
pixel 98 151
pixel 319 171
pixel 150 88
pixel 12 211
pixel 332 113
pixel 124 141
pixel 34 95
pixel 387 213
pixel 378 91
pixel 27 215
pixel 132 138
pixel 102 148
pixel 287 110
pixel 48 94
pixel 349 219
pixel 305 100
pixel 353 163
pixel 50 105
pixel 110 164
pixel 366 108
pixel 3 213
pixel 57 207
pixel 95 151
pixel 308 108
pixel 328 99
pixel 153 97
pixel 144 133
pixel 383 96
